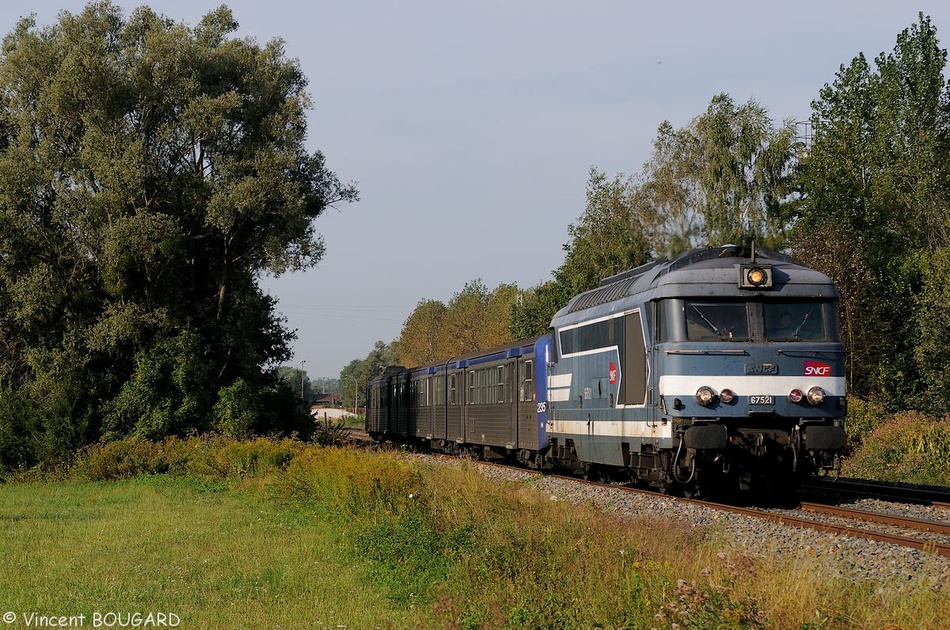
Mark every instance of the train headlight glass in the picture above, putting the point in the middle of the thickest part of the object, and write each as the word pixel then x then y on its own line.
pixel 726 396
pixel 796 395
pixel 755 277
pixel 705 396
pixel 816 396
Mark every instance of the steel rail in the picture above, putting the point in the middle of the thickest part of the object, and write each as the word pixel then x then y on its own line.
pixel 934 496
pixel 784 519
pixel 907 522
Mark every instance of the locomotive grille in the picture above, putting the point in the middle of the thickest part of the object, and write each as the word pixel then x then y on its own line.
pixel 603 295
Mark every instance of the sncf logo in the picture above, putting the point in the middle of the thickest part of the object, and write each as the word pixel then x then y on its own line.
pixel 613 373
pixel 817 368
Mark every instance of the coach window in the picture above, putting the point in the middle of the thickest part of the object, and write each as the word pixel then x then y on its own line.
pixel 526 381
pixel 438 390
pixel 500 387
pixel 453 393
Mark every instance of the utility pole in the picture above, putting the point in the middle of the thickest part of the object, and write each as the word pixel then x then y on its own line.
pixel 301 379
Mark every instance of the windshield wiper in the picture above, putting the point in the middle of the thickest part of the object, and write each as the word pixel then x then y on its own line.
pixel 807 315
pixel 706 319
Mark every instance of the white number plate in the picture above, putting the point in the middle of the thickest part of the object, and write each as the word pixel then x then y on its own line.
pixel 761 400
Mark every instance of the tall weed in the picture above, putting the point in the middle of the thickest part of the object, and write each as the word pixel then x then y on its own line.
pixel 205 456
pixel 863 417
pixel 909 447
pixel 352 483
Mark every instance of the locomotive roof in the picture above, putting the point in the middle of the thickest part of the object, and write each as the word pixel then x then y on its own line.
pixel 709 272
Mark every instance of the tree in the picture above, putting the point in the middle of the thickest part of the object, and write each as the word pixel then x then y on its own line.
pixel 496 325
pixel 724 178
pixel 613 235
pixel 379 358
pixel 297 380
pixel 477 319
pixel 150 172
pixel 352 382
pixel 533 311
pixel 875 191
pixel 421 336
pixel 670 190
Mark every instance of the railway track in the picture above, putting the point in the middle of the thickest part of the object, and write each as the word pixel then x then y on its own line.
pixel 939 498
pixel 843 521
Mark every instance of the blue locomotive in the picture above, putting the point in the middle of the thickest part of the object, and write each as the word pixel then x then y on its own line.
pixel 716 370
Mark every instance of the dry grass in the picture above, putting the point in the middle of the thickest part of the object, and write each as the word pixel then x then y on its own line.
pixel 258 534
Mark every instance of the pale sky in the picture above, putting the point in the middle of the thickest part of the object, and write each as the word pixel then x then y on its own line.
pixel 470 127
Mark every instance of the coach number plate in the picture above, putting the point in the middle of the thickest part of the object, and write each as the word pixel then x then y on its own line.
pixel 761 400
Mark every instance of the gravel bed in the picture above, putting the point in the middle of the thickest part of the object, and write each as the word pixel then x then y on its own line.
pixel 844 556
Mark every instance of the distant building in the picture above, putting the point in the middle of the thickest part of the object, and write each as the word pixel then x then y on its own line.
pixel 321 401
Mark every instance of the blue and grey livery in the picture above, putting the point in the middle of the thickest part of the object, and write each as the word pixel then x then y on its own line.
pixel 716 369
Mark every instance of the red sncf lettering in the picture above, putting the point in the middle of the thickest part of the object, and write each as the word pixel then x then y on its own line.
pixel 817 368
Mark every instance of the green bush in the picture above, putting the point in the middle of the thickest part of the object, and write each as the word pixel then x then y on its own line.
pixel 909 447
pixel 236 409
pixel 863 417
pixel 207 456
pixel 351 482
pixel 254 457
pixel 329 433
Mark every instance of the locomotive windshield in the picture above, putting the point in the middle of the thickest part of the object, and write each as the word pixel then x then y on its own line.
pixel 712 321
pixel 724 320
pixel 795 321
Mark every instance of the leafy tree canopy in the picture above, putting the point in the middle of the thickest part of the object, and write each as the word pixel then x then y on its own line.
pixel 723 178
pixel 875 215
pixel 361 371
pixel 150 172
pixel 474 319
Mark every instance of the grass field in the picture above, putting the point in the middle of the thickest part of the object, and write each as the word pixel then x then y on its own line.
pixel 278 534
pixel 216 558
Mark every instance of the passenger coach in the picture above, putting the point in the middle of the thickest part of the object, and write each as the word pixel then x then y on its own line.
pixel 485 403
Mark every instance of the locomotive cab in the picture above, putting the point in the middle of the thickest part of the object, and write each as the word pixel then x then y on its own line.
pixel 753 378
pixel 739 362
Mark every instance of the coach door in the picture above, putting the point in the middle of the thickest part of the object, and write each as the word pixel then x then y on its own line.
pixel 527 409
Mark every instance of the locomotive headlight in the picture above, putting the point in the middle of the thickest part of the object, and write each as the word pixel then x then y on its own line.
pixel 705 396
pixel 816 396
pixel 726 396
pixel 796 395
pixel 755 277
